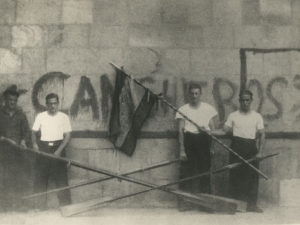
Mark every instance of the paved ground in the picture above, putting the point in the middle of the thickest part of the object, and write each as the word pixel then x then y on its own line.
pixel 157 216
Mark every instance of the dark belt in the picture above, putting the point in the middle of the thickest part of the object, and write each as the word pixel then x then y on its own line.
pixel 51 143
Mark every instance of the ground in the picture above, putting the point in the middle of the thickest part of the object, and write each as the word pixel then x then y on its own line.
pixel 157 216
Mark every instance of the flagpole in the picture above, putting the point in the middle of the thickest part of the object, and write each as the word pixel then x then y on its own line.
pixel 191 121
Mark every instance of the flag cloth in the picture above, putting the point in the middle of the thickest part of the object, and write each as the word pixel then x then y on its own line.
pixel 130 108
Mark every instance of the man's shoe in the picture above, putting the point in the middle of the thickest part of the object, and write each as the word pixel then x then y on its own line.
pixel 254 209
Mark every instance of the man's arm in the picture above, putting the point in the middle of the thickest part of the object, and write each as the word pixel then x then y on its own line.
pixel 182 154
pixel 34 142
pixel 261 142
pixel 25 132
pixel 222 131
pixel 66 140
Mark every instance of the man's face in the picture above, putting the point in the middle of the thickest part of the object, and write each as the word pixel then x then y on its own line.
pixel 11 102
pixel 245 102
pixel 52 105
pixel 195 95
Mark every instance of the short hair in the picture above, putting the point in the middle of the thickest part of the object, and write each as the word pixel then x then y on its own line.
pixel 194 86
pixel 52 95
pixel 11 92
pixel 246 92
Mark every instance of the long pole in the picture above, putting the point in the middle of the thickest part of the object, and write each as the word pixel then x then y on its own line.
pixel 98 180
pixel 191 121
pixel 185 195
pixel 83 207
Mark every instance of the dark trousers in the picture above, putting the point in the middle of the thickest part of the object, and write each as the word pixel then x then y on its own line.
pixel 243 180
pixel 15 178
pixel 197 148
pixel 45 168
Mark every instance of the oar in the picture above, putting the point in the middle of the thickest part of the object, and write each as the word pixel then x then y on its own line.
pixel 70 210
pixel 191 121
pixel 157 165
pixel 200 201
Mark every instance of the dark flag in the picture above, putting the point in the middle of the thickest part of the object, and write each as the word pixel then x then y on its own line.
pixel 130 108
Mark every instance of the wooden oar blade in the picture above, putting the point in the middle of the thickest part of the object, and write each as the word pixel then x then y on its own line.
pixel 207 203
pixel 70 210
pixel 241 205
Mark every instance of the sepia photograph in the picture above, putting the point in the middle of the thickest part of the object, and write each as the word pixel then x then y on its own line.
pixel 155 112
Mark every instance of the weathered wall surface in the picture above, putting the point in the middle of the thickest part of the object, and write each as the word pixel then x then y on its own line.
pixel 64 45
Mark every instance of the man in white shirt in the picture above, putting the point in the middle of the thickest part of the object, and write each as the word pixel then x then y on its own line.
pixel 195 145
pixel 245 123
pixel 55 130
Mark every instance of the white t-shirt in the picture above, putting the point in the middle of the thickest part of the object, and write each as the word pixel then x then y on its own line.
pixel 201 116
pixel 245 125
pixel 52 127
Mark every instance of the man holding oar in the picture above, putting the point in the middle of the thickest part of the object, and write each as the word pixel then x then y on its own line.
pixel 14 163
pixel 194 145
pixel 55 130
pixel 245 123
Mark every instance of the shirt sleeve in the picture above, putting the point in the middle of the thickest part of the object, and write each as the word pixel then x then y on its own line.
pixel 37 123
pixel 260 123
pixel 178 115
pixel 67 124
pixel 229 121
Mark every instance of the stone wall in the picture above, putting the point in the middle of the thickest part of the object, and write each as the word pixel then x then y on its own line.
pixel 59 45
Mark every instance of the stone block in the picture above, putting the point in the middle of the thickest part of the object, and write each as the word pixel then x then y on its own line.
pixel 81 156
pixel 78 12
pixel 200 12
pixel 275 11
pixel 28 36
pixel 113 12
pixel 268 191
pixel 174 11
pixel 7 11
pixel 39 11
pixel 266 37
pixel 276 64
pixel 109 36
pixel 68 36
pixel 165 36
pixel 84 193
pixel 34 61
pixel 215 62
pixel 83 61
pixel 295 12
pixel 9 62
pixel 142 61
pixel 177 62
pixel 218 37
pixel 287 161
pixel 289 189
pixel 227 12
pixel 104 159
pixel 255 63
pixel 5 36
pixel 145 12
pixel 141 157
pixel 251 12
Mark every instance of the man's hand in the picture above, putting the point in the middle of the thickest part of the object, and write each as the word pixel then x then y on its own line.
pixel 36 147
pixel 57 152
pixel 259 155
pixel 23 145
pixel 182 155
